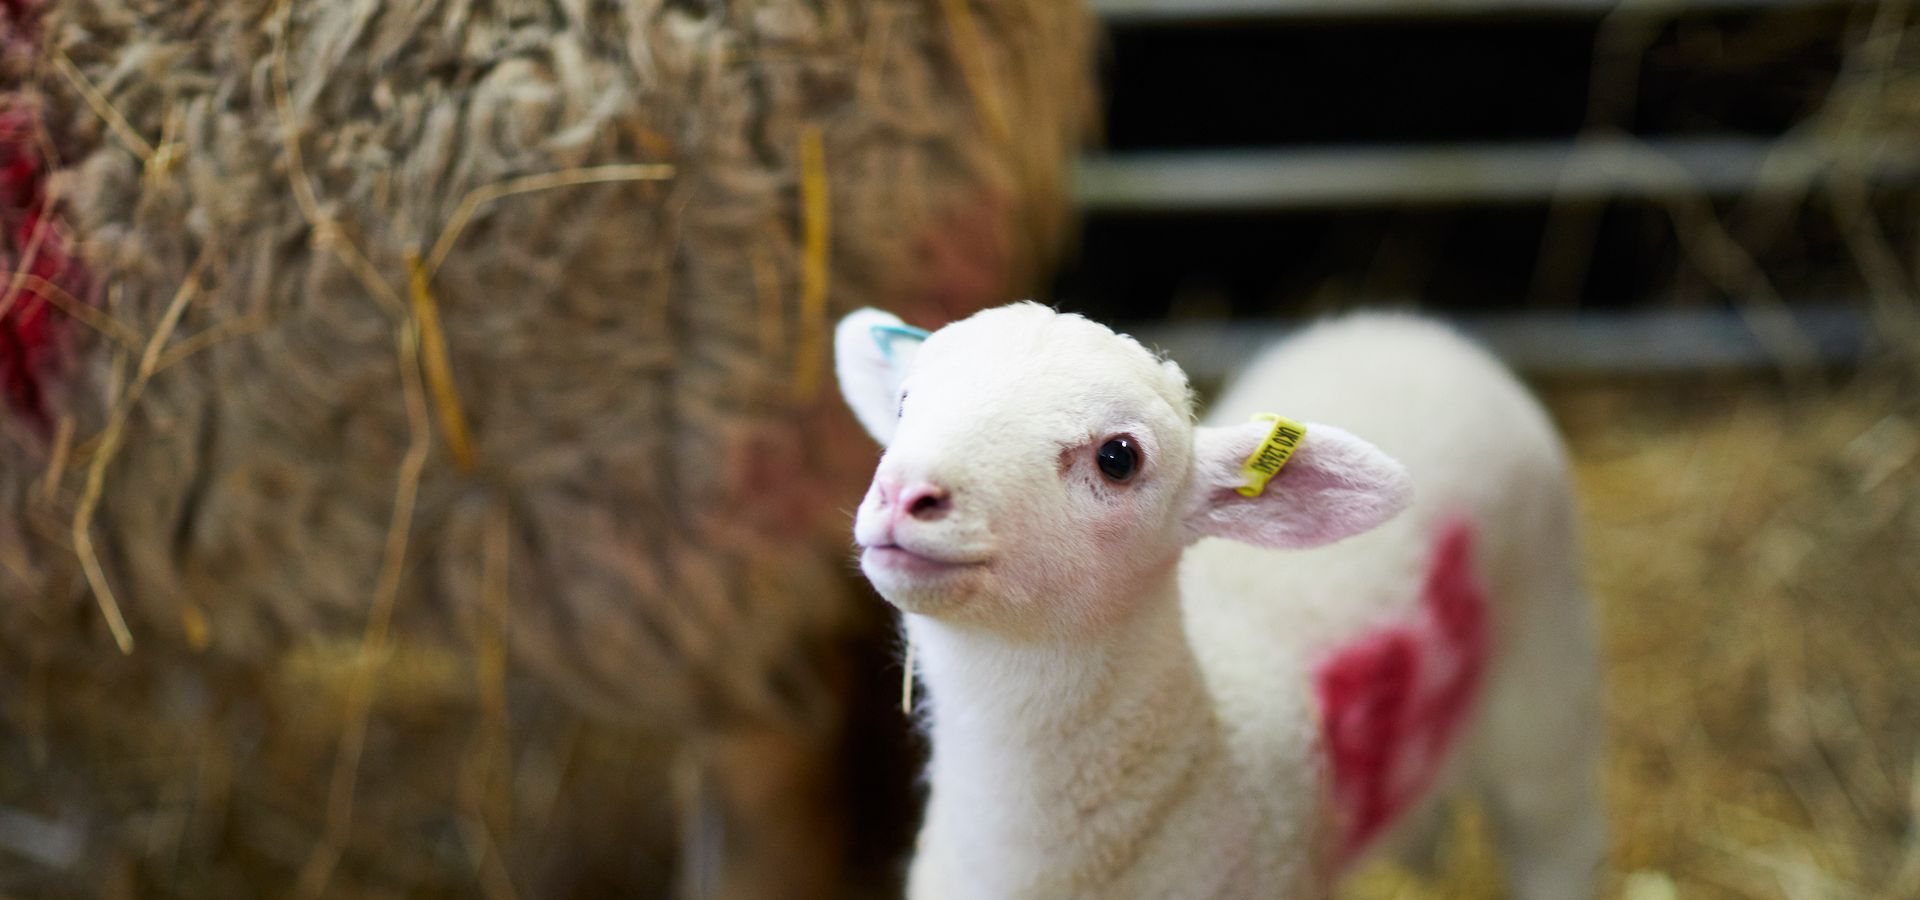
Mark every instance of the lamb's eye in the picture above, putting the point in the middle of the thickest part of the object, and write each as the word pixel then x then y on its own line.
pixel 901 410
pixel 1118 458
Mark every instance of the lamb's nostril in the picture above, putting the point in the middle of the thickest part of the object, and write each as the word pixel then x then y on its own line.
pixel 926 503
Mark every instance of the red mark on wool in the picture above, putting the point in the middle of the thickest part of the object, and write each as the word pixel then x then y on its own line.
pixel 1393 702
pixel 20 20
pixel 32 241
pixel 20 33
pixel 962 265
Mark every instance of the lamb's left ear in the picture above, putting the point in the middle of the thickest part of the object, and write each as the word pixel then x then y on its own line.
pixel 872 351
pixel 1334 486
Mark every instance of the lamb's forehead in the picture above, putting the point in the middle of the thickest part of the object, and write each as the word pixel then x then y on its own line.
pixel 1038 349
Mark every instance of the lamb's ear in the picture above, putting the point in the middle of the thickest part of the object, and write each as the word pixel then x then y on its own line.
pixel 872 350
pixel 1334 486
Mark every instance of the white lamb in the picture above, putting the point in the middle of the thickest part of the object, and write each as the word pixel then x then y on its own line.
pixel 1145 683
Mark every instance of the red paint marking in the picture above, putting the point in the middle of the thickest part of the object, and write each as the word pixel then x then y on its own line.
pixel 20 23
pixel 1393 702
pixel 32 331
pixel 960 265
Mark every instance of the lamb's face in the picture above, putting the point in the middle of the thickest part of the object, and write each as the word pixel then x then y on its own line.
pixel 1034 472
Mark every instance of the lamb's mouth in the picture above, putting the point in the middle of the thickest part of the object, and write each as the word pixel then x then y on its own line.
pixel 895 559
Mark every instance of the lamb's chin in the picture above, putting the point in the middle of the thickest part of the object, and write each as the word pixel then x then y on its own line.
pixel 928 590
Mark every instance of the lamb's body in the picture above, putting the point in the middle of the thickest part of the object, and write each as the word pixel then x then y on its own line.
pixel 1175 748
pixel 1482 453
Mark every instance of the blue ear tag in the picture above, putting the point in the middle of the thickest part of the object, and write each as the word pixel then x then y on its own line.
pixel 883 336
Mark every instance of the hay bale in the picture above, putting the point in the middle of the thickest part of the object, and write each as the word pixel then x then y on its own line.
pixel 452 432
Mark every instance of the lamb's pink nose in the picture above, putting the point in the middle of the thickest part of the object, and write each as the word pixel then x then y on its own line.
pixel 924 502
pixel 921 500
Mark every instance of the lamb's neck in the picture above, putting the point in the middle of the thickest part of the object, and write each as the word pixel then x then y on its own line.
pixel 1066 768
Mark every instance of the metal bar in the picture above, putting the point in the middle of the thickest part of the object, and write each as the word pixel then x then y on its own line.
pixel 1663 342
pixel 1586 169
pixel 1140 12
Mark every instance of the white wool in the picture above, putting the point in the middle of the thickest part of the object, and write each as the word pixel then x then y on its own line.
pixel 1118 674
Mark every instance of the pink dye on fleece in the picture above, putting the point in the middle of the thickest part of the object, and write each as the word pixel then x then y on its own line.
pixel 20 22
pixel 1393 701
pixel 32 331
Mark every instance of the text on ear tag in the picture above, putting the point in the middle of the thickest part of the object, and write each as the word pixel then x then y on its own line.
pixel 1271 454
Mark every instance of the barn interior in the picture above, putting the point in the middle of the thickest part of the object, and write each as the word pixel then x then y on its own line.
pixel 422 474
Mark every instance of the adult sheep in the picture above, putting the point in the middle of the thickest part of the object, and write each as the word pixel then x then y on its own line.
pixel 418 468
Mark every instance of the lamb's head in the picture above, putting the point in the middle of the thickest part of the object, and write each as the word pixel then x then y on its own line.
pixel 1040 468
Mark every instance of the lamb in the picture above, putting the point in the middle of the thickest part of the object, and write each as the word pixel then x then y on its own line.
pixel 1153 672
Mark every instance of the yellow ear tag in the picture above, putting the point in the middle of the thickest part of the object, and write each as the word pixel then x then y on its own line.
pixel 1271 454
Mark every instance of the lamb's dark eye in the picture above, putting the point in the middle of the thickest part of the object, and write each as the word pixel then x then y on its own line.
pixel 1118 458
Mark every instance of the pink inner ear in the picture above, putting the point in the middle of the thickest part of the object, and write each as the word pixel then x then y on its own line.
pixel 1335 486
pixel 1393 702
pixel 1338 496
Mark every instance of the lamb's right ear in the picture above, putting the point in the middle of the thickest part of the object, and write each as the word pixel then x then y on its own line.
pixel 872 351
pixel 1333 486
